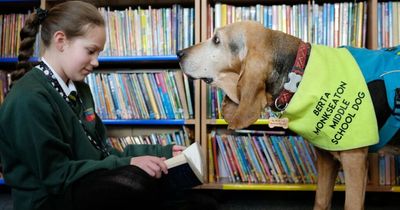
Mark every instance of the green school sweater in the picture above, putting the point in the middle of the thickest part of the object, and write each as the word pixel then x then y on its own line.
pixel 43 147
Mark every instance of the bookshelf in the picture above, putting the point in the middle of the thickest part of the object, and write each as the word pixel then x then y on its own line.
pixel 200 124
pixel 132 63
pixel 139 62
pixel 129 63
pixel 208 125
pixel 8 7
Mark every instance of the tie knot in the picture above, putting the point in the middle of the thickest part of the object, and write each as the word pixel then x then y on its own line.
pixel 73 96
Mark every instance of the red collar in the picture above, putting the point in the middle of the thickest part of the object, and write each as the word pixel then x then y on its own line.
pixel 294 77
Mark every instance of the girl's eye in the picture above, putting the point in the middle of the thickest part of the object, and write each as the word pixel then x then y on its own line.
pixel 91 52
pixel 216 40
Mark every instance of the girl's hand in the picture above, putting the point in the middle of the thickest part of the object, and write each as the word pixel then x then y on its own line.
pixel 177 149
pixel 152 165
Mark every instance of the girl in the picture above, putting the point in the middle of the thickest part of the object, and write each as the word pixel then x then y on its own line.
pixel 52 143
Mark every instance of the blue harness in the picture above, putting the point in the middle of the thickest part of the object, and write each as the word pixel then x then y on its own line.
pixel 384 65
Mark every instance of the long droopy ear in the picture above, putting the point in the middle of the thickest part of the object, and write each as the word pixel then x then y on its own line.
pixel 229 108
pixel 251 91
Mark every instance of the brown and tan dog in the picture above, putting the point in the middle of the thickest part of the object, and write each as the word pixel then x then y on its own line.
pixel 251 65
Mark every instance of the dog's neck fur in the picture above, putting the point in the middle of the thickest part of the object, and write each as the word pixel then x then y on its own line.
pixel 283 59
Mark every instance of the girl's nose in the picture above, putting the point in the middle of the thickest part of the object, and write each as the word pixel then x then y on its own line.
pixel 95 61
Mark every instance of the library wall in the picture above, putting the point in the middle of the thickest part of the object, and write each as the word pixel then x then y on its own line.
pixel 238 158
pixel 143 97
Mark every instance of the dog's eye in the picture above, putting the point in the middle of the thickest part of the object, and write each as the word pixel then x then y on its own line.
pixel 216 40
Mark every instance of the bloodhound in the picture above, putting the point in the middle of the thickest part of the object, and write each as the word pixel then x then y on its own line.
pixel 317 88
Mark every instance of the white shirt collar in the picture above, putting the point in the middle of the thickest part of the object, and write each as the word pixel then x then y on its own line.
pixel 66 88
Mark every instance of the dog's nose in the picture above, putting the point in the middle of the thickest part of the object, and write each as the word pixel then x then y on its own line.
pixel 180 54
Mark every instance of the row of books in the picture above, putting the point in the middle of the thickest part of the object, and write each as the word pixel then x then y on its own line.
pixel 163 94
pixel 261 159
pixel 4 85
pixel 178 137
pixel 385 169
pixel 284 159
pixel 164 31
pixel 332 24
pixel 388 24
pixel 10 26
pixel 130 32
pixel 215 97
pixel 148 31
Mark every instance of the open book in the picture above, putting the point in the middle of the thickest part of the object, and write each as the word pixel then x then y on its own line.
pixel 185 170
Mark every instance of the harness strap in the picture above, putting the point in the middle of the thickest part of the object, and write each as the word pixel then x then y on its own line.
pixel 391 126
pixel 388 130
pixel 396 107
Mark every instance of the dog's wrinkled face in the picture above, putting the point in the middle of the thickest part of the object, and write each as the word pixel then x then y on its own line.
pixel 235 59
pixel 217 60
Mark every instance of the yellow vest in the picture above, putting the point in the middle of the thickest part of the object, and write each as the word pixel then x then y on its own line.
pixel 332 107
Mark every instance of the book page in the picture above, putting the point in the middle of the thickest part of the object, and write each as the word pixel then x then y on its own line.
pixel 175 161
pixel 193 153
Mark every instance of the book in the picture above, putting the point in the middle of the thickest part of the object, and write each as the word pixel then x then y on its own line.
pixel 185 170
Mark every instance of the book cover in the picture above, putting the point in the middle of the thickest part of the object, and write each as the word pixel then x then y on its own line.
pixel 157 95
pixel 224 157
pixel 381 163
pixel 211 169
pixel 252 175
pixel 215 155
pixel 238 162
pixel 139 93
pixel 162 89
pixel 189 93
pixel 267 155
pixel 253 160
pixel 144 80
pixel 373 170
pixel 230 159
pixel 248 176
pixel 181 92
pixel 185 170
pixel 261 159
pixel 275 159
pixel 173 94
pixel 108 98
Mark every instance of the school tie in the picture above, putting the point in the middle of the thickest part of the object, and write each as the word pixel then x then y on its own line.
pixel 73 102
pixel 73 96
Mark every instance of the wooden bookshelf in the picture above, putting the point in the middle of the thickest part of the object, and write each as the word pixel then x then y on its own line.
pixel 207 124
pixel 291 187
pixel 14 6
pixel 200 124
pixel 11 7
pixel 130 63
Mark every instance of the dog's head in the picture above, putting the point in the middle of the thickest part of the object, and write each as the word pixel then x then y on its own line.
pixel 242 59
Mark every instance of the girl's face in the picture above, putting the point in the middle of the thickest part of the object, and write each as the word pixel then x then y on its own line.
pixel 81 54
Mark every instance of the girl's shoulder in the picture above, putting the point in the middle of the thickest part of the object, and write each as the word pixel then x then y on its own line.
pixel 31 85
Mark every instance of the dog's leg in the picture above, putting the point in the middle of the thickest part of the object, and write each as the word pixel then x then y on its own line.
pixel 355 166
pixel 328 168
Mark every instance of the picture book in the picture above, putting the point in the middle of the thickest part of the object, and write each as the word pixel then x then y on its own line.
pixel 185 170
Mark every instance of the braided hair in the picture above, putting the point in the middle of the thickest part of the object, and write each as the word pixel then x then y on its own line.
pixel 74 18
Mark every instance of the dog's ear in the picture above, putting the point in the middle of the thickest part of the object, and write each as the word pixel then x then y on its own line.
pixel 251 91
pixel 228 82
pixel 228 108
